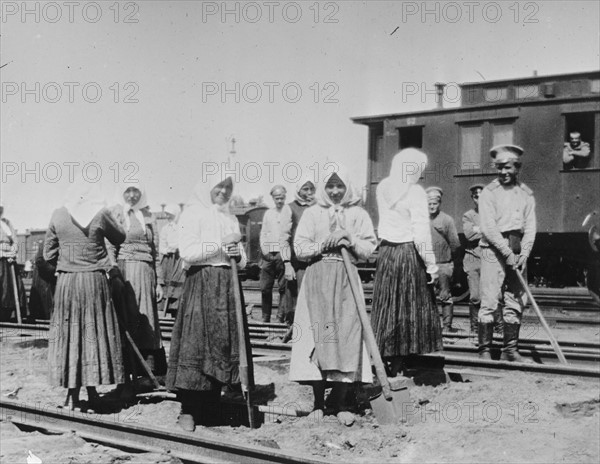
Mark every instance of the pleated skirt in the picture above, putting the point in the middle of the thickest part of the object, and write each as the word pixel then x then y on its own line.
pixel 140 289
pixel 404 315
pixel 327 341
pixel 7 294
pixel 204 344
pixel 85 347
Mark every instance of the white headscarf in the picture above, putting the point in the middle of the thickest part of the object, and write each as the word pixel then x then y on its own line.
pixel 201 194
pixel 174 209
pixel 406 170
pixel 337 219
pixel 83 201
pixel 143 203
pixel 299 186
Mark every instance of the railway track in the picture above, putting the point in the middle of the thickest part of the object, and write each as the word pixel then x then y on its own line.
pixel 189 447
pixel 583 357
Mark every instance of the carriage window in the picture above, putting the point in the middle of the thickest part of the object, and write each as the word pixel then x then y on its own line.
pixel 502 133
pixel 595 86
pixel 410 137
pixel 471 138
pixel 578 150
pixel 495 94
pixel 527 91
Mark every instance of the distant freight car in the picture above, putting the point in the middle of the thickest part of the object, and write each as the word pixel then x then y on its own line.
pixel 536 113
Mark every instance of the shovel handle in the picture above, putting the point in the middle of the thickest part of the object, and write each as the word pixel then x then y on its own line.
pixel 13 276
pixel 246 366
pixel 368 334
pixel 553 341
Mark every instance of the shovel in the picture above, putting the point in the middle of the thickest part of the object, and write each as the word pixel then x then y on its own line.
pixel 13 276
pixel 553 341
pixel 394 403
pixel 246 366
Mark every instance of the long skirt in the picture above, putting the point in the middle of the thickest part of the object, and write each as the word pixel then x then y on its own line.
pixel 404 315
pixel 41 296
pixel 142 308
pixel 174 276
pixel 204 344
pixel 85 345
pixel 8 311
pixel 327 342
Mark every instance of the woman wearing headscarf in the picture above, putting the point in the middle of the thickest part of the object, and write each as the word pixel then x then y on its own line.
pixel 43 284
pixel 328 340
pixel 9 247
pixel 170 261
pixel 294 268
pixel 204 353
pixel 84 340
pixel 404 314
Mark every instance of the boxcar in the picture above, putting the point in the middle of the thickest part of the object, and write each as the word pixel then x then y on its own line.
pixel 536 113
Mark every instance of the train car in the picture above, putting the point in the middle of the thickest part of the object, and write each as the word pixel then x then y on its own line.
pixel 536 113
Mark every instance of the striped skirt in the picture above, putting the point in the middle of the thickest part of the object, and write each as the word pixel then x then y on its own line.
pixel 404 315
pixel 7 294
pixel 142 308
pixel 204 345
pixel 85 347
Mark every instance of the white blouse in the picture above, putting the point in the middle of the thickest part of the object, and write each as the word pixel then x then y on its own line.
pixel 407 220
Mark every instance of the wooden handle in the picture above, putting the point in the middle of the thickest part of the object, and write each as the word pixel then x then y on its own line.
pixel 16 292
pixel 553 341
pixel 369 336
pixel 246 365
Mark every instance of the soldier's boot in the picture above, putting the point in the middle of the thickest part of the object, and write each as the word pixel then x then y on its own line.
pixel 267 306
pixel 447 316
pixel 511 341
pixel 498 321
pixel 473 334
pixel 486 338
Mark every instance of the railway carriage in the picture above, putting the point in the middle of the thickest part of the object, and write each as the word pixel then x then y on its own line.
pixel 536 113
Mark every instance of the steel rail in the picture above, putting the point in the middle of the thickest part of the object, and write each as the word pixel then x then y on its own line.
pixel 581 357
pixel 189 447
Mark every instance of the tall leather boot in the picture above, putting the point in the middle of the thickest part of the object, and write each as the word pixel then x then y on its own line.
pixel 473 329
pixel 447 315
pixel 498 321
pixel 486 338
pixel 511 341
pixel 267 306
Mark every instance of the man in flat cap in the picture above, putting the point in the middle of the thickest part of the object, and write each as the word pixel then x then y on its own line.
pixel 445 247
pixel 508 228
pixel 271 265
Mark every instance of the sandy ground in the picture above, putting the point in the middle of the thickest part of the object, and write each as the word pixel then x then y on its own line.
pixel 516 418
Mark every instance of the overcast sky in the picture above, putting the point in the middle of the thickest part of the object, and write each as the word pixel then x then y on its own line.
pixel 170 73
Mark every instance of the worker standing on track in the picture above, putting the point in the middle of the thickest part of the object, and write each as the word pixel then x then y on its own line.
pixel 508 228
pixel 294 268
pixel 445 246
pixel 204 353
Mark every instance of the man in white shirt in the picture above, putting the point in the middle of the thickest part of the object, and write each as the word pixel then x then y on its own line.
pixel 271 266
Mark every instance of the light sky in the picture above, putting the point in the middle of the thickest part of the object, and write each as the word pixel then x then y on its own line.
pixel 173 63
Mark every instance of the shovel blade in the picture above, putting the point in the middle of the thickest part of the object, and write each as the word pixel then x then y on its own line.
pixel 399 407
